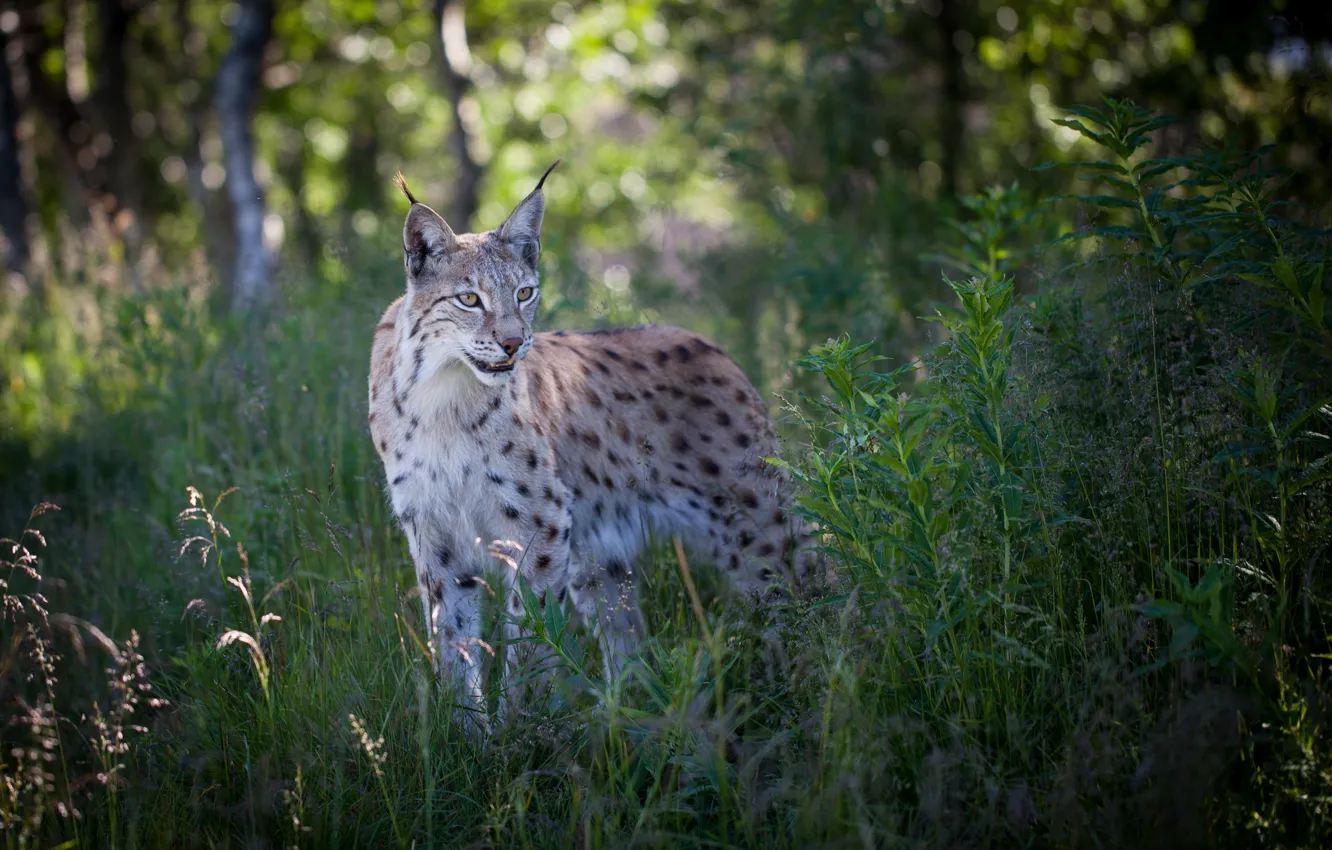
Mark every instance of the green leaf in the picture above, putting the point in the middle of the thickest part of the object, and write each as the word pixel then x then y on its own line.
pixel 1013 489
pixel 1282 270
pixel 1159 610
pixel 1106 201
pixel 1095 165
pixel 554 619
pixel 531 605
pixel 1092 114
pixel 1149 168
pixel 1102 139
pixel 1185 634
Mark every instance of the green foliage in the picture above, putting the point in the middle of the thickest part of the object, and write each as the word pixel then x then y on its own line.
pixel 1204 217
pixel 1207 221
pixel 1203 614
pixel 1078 548
pixel 992 234
pixel 780 161
pixel 962 502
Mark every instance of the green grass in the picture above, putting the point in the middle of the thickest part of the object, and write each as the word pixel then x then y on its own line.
pixel 1081 598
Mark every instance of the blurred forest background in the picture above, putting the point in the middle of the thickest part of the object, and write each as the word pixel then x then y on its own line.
pixel 1090 596
pixel 778 170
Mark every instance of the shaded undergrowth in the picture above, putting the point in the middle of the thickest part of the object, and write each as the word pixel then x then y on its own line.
pixel 1080 549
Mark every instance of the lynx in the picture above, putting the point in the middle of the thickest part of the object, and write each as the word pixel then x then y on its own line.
pixel 557 453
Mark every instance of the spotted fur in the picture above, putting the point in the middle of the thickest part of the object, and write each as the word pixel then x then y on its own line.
pixel 592 442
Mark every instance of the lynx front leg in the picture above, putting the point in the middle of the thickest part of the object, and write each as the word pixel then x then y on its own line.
pixel 454 619
pixel 451 591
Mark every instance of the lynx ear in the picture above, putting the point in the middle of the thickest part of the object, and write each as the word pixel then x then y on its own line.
pixel 425 233
pixel 521 231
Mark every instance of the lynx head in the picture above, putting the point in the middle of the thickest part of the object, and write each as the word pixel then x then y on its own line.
pixel 471 297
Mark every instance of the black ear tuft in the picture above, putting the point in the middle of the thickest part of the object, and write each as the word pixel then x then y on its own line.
pixel 542 181
pixel 401 183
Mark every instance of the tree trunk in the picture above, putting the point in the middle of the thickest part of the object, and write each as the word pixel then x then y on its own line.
pixel 237 81
pixel 13 209
pixel 219 244
pixel 84 181
pixel 457 63
pixel 952 128
pixel 112 103
pixel 91 198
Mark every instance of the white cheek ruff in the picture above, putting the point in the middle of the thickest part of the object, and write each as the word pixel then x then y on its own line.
pixel 494 379
pixel 452 384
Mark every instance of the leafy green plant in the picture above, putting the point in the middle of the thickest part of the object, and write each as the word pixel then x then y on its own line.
pixel 1268 452
pixel 1201 217
pixel 1238 199
pixel 984 347
pixel 1205 219
pixel 927 496
pixel 1250 599
pixel 881 477
pixel 1200 617
pixel 994 235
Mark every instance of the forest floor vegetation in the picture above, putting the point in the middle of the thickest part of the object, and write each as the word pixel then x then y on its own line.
pixel 1081 551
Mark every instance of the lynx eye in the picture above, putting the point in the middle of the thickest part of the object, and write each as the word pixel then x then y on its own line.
pixel 469 299
pixel 525 293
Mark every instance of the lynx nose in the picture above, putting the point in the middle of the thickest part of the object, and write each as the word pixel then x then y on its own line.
pixel 511 345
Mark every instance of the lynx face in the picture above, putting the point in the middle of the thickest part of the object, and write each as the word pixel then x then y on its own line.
pixel 471 298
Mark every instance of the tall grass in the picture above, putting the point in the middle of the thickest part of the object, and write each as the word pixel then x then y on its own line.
pixel 1080 551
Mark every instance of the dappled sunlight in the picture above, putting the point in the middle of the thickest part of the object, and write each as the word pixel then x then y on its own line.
pixel 1034 294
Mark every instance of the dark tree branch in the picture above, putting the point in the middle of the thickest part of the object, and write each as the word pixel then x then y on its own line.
pixel 237 81
pixel 13 208
pixel 457 60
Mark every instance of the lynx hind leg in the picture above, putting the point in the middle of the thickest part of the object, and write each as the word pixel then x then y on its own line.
pixel 604 596
pixel 760 547
pixel 812 569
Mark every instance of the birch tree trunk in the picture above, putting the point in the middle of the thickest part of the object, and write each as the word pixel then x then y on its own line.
pixel 457 65
pixel 237 81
